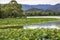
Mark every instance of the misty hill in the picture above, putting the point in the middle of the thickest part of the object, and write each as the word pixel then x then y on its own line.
pixel 55 8
pixel 34 9
pixel 46 7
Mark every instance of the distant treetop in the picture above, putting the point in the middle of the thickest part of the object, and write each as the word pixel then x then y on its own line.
pixel 13 2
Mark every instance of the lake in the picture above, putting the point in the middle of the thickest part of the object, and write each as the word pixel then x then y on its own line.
pixel 43 25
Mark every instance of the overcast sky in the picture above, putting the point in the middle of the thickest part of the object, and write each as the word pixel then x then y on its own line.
pixel 31 2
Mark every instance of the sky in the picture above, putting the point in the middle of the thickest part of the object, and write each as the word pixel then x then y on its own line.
pixel 32 2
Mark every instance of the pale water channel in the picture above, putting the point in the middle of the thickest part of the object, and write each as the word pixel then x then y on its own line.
pixel 43 17
pixel 44 25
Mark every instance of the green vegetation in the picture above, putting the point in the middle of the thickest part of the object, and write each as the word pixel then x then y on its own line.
pixel 29 34
pixel 12 9
pixel 12 16
pixel 41 13
pixel 24 21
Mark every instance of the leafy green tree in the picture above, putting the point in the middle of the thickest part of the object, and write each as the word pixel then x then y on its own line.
pixel 52 13
pixel 12 9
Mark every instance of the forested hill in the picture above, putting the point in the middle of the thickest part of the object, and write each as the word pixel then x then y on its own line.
pixel 45 7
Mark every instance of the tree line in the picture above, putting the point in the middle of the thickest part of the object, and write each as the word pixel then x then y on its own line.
pixel 42 13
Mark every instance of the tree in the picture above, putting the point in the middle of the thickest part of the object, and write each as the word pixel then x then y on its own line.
pixel 2 11
pixel 12 9
pixel 52 13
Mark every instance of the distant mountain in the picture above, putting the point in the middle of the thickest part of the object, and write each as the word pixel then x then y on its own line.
pixel 34 9
pixel 46 7
pixel 42 6
pixel 55 8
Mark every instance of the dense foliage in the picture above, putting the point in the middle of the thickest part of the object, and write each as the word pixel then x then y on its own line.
pixel 42 13
pixel 29 34
pixel 11 10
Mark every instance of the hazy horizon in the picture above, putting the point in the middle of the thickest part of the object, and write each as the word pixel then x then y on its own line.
pixel 32 2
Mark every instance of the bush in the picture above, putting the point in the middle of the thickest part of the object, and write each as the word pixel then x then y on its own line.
pixel 29 34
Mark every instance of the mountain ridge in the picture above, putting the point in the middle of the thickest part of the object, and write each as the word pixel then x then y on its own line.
pixel 47 7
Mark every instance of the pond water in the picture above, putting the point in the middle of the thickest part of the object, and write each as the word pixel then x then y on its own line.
pixel 43 25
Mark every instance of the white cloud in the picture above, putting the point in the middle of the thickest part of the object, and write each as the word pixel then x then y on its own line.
pixel 4 1
pixel 33 1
